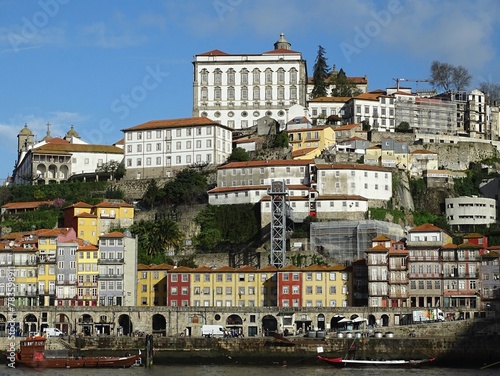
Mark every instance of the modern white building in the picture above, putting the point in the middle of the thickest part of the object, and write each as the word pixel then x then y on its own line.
pixel 159 148
pixel 469 211
pixel 238 89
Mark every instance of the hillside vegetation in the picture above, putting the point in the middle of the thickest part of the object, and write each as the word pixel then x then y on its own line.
pixel 222 228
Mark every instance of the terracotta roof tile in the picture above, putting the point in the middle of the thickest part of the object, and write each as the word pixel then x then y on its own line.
pixel 425 227
pixel 270 163
pixel 175 123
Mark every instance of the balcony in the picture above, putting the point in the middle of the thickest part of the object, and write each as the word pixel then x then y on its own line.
pixel 110 276
pixel 86 284
pixel 66 283
pixel 47 259
pixel 399 295
pixel 110 261
pixel 23 263
pixel 106 215
pixel 46 292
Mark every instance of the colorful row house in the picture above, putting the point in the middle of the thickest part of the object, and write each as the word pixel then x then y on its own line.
pixel 425 270
pixel 52 267
pixel 313 286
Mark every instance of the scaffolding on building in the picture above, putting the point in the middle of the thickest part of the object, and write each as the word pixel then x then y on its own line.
pixel 347 241
pixel 428 115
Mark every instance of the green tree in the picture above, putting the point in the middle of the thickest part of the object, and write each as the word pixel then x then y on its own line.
pixel 156 237
pixel 320 74
pixel 342 86
pixel 152 194
pixel 404 127
pixel 112 169
pixel 238 155
pixel 188 187
pixel 281 140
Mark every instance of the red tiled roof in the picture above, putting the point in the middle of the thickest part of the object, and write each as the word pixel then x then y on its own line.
pixel 426 227
pixel 347 127
pixel 114 234
pixel 341 197
pixel 422 151
pixel 269 163
pixel 75 148
pixel 214 53
pixel 175 123
pixel 280 51
pixel 85 215
pixel 329 99
pixel 381 238
pixel 56 140
pixel 350 166
pixel 301 152
pixel 26 205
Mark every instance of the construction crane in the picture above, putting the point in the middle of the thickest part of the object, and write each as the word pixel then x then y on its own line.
pixel 398 80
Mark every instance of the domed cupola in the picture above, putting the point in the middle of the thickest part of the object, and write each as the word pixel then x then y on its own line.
pixel 71 133
pixel 25 139
pixel 282 43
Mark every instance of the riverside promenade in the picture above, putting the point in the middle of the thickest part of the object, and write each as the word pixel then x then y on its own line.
pixel 464 343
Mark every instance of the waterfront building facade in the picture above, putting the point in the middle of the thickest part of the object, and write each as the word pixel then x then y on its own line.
pixel 489 271
pixel 152 285
pixel 87 275
pixel 113 256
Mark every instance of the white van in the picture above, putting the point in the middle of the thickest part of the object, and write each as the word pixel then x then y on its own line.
pixel 53 332
pixel 212 331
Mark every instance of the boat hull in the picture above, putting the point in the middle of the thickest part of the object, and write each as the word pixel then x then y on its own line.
pixel 90 362
pixel 341 362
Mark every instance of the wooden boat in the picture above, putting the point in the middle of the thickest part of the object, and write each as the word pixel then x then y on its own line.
pixel 32 355
pixel 342 362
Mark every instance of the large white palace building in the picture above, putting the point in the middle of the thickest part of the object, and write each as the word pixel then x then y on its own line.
pixel 238 89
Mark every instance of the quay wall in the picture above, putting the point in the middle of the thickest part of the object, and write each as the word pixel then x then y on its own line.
pixel 449 351
pixel 172 321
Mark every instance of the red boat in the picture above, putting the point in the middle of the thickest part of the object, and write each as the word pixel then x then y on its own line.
pixel 32 355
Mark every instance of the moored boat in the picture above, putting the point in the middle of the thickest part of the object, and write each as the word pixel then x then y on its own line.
pixel 32 354
pixel 342 362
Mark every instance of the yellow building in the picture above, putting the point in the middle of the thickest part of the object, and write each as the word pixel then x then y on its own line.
pixel 307 143
pixel 152 285
pixel 91 221
pixel 373 155
pixel 18 259
pixel 47 266
pixel 325 286
pixel 87 274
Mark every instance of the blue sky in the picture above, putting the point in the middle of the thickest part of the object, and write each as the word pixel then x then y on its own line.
pixel 108 65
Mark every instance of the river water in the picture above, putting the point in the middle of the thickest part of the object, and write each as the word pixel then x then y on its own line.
pixel 235 370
